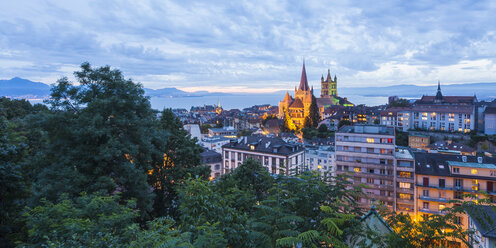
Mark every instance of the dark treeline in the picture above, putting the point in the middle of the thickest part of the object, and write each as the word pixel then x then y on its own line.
pixel 98 167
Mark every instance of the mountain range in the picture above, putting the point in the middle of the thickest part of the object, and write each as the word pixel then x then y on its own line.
pixel 23 88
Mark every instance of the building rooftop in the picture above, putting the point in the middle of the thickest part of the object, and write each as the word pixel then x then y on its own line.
pixel 367 129
pixel 471 165
pixel 439 164
pixel 484 218
pixel 209 156
pixel 403 153
pixel 264 144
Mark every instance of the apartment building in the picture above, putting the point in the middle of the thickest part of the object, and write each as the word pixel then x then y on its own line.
pixel 214 160
pixel 366 154
pixel 276 155
pixel 321 159
pixel 444 113
pixel 440 178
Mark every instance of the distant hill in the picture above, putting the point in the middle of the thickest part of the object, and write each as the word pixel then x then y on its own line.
pixel 23 88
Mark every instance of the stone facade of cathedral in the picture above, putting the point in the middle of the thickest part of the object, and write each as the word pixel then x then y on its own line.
pixel 298 108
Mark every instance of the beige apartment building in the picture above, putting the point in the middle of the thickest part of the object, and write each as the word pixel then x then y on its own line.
pixel 441 178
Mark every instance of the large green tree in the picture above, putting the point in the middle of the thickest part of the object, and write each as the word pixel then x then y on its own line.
pixel 178 159
pixel 98 137
pixel 313 118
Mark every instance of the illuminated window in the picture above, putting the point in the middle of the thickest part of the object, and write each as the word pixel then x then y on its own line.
pixel 474 172
pixel 405 196
pixel 358 169
pixel 441 207
pixel 405 174
pixel 370 140
pixel 319 166
pixel 252 147
pixel 404 185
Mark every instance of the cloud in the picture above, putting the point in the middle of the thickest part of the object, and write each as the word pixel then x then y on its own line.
pixel 251 45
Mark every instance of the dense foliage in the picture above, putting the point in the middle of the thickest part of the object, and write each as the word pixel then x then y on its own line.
pixel 100 168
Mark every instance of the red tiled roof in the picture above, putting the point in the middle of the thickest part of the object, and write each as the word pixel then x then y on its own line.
pixel 447 99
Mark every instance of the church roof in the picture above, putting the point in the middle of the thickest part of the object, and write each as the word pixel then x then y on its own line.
pixel 287 98
pixel 296 104
pixel 303 81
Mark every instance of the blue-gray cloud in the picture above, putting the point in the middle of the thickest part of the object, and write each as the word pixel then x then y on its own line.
pixel 252 44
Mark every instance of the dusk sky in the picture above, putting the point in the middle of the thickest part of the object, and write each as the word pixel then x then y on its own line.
pixel 252 46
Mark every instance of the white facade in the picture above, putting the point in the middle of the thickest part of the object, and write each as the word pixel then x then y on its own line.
pixel 275 163
pixel 321 159
pixel 214 143
pixel 452 122
pixel 194 131
pixel 490 124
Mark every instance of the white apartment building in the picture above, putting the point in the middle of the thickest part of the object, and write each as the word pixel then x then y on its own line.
pixel 276 155
pixel 321 159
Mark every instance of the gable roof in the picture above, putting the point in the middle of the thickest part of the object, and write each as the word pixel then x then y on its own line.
pixel 484 218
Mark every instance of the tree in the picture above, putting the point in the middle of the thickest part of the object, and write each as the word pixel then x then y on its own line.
pixel 99 136
pixel 314 114
pixel 399 103
pixel 288 124
pixel 204 128
pixel 13 187
pixel 401 138
pixel 85 221
pixel 178 158
pixel 344 123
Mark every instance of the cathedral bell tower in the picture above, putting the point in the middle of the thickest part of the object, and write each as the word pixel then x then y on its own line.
pixel 328 87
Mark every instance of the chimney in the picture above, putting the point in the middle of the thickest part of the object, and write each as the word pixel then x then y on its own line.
pixel 464 159
pixel 479 160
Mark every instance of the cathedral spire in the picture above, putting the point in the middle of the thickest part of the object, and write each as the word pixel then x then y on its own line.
pixel 439 95
pixel 329 75
pixel 303 81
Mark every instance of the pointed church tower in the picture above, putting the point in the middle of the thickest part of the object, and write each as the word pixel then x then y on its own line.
pixel 303 81
pixel 439 95
pixel 334 86
pixel 324 86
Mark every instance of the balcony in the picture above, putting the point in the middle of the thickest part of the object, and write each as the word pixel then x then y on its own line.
pixel 425 210
pixel 434 187
pixel 405 201
pixel 426 198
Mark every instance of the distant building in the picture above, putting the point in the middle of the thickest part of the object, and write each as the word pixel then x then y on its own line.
pixel 448 147
pixel 490 120
pixel 443 113
pixel 194 131
pixel 214 160
pixel 321 159
pixel 298 108
pixel 418 141
pixel 215 143
pixel 482 220
pixel 276 155
pixel 228 132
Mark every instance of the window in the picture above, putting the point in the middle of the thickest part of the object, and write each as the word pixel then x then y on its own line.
pixel 474 172
pixel 475 184
pixel 458 220
pixel 370 140
pixel 426 205
pixel 456 170
pixel 459 182
pixel 442 183
pixel 426 181
pixel 405 196
pixel 405 174
pixel 425 193
pixel 441 207
pixel 405 185
pixel 370 180
pixel 357 169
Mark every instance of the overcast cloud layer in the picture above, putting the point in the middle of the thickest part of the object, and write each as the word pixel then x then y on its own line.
pixel 252 45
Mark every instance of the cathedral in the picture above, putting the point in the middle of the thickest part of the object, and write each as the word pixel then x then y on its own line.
pixel 298 108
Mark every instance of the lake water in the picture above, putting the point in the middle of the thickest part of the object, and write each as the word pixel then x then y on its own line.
pixel 244 101
pixel 238 101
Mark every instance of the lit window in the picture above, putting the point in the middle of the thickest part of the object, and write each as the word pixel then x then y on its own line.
pixel 441 207
pixel 252 147
pixel 474 172
pixel 404 185
pixel 358 169
pixel 319 166
pixel 370 140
